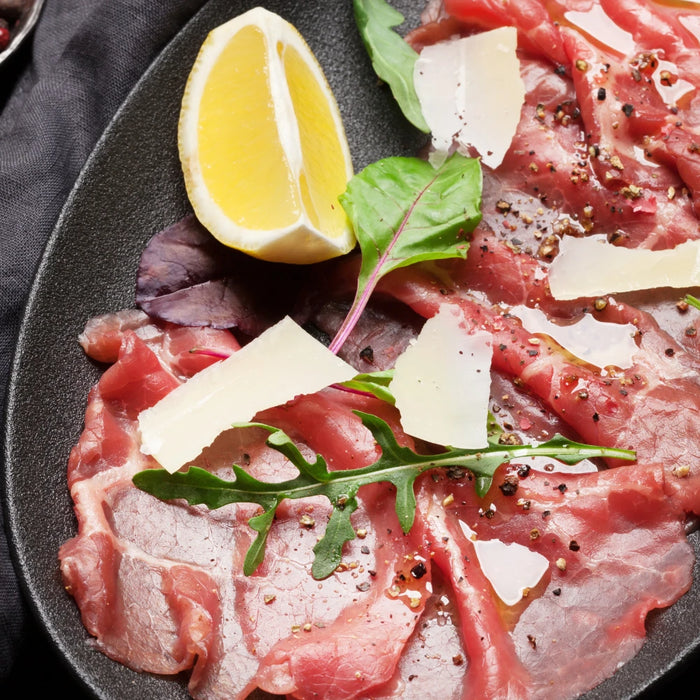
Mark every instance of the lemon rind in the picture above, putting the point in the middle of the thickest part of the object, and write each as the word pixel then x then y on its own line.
pixel 299 242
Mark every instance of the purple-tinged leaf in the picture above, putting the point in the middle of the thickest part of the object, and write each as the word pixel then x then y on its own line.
pixel 187 277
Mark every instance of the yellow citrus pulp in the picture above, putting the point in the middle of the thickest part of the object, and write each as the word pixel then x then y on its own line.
pixel 262 145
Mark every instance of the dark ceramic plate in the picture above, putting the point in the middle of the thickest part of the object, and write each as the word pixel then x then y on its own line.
pixel 130 189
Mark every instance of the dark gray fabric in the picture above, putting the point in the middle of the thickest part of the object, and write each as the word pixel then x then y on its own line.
pixel 56 97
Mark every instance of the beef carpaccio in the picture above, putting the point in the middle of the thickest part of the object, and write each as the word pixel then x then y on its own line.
pixel 607 143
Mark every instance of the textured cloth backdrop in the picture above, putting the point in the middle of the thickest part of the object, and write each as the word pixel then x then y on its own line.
pixel 56 98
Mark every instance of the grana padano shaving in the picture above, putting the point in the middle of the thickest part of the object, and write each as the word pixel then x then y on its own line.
pixel 442 381
pixel 511 569
pixel 588 267
pixel 600 344
pixel 471 93
pixel 281 363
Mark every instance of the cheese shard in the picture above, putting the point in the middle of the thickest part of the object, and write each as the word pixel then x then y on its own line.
pixel 281 363
pixel 471 93
pixel 587 267
pixel 600 344
pixel 442 382
pixel 512 569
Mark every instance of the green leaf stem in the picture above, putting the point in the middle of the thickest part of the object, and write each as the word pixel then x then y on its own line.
pixel 397 464
pixel 405 211
pixel 693 301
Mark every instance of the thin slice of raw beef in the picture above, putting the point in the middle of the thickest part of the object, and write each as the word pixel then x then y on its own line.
pixel 607 143
pixel 160 586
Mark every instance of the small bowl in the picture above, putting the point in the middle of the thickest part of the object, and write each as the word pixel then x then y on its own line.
pixel 22 28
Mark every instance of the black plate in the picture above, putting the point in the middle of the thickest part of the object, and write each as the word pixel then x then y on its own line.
pixel 130 189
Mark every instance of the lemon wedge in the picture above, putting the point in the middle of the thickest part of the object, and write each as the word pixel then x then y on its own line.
pixel 262 144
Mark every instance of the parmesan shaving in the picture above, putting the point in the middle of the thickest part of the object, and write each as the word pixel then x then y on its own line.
pixel 281 363
pixel 600 344
pixel 471 94
pixel 442 382
pixel 511 569
pixel 587 267
pixel 548 465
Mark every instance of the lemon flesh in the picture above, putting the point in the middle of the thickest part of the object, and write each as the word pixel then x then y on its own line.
pixel 262 146
pixel 244 168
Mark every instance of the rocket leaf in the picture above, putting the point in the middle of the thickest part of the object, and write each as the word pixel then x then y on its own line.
pixel 693 301
pixel 373 384
pixel 397 464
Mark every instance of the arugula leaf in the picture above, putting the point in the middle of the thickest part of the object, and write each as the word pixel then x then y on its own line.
pixel 405 211
pixel 398 465
pixel 693 301
pixel 373 383
pixel 392 58
pixel 328 551
pixel 262 524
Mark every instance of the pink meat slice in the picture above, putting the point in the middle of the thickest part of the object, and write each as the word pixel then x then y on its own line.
pixel 651 408
pixel 160 588
pixel 128 566
pixel 493 668
pixel 435 650
pixel 160 585
pixel 625 118
pixel 604 534
pixel 342 659
pixel 537 31
pixel 184 350
pixel 599 139
pixel 616 532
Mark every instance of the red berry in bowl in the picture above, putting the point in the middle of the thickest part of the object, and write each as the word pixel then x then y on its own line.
pixel 4 36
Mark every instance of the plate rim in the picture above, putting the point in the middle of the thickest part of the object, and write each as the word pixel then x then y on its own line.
pixel 28 594
pixel 93 161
